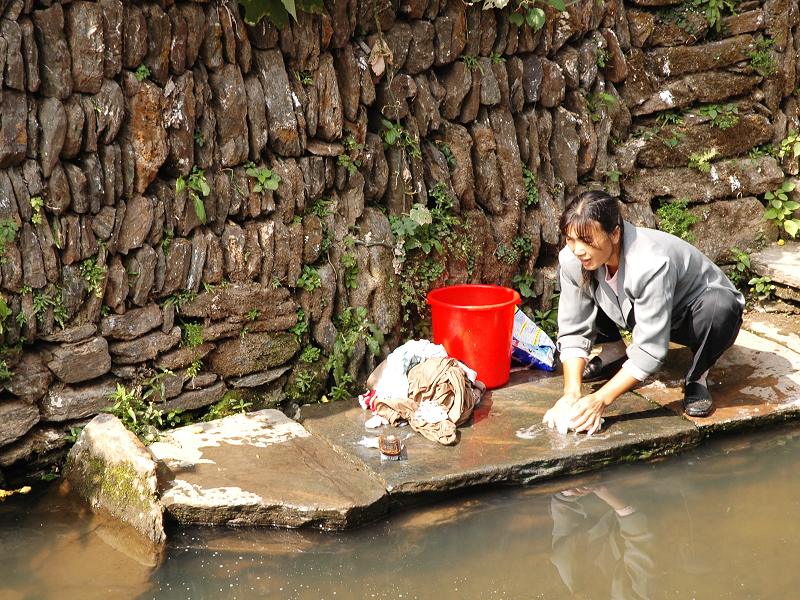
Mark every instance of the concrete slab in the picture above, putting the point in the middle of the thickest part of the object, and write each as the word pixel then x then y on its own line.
pixel 756 381
pixel 262 468
pixel 505 441
pixel 781 328
pixel 780 263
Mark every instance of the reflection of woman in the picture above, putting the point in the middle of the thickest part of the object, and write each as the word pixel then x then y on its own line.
pixel 615 275
pixel 597 537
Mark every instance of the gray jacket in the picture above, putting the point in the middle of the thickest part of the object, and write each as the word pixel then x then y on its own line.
pixel 660 276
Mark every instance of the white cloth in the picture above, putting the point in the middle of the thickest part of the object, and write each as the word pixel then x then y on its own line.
pixel 394 381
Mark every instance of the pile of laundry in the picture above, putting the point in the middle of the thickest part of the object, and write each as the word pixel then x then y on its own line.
pixel 420 384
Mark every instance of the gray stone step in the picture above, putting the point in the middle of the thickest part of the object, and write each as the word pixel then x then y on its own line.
pixel 262 468
pixel 505 442
pixel 779 263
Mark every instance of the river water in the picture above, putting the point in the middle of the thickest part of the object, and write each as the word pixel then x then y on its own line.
pixel 719 521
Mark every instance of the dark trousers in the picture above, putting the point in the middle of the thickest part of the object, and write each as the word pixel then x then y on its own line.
pixel 709 327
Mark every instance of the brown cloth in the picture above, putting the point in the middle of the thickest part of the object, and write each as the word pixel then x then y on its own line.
pixel 443 382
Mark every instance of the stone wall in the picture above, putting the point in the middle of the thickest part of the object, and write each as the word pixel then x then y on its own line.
pixel 109 261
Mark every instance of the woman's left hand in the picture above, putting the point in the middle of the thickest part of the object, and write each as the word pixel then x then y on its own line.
pixel 588 412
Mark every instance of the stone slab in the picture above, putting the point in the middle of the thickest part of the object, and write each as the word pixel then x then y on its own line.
pixel 262 468
pixel 505 441
pixel 755 382
pixel 780 327
pixel 780 263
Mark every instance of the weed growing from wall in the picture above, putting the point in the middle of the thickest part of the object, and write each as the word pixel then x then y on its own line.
pixel 780 209
pixel 675 218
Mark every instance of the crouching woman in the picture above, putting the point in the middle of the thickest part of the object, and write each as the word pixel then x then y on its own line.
pixel 617 276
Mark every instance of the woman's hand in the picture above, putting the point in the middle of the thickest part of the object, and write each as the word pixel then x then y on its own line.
pixel 588 413
pixel 564 406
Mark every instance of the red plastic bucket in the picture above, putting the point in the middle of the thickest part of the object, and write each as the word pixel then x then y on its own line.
pixel 474 324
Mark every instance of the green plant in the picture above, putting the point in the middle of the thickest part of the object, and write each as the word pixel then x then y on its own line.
pixel 613 176
pixel 531 186
pixel 472 63
pixel 603 56
pixel 305 381
pixel 141 73
pixel 154 387
pixel 139 416
pixel 547 319
pixel 93 274
pixel 73 434
pixel 496 58
pixel 179 298
pixel 265 178
pixel 673 140
pixel 763 150
pixel 597 103
pixel 321 207
pixel 352 326
pixel 523 246
pixel 199 138
pixel 5 372
pixel 780 209
pixel 8 233
pixel 527 12
pixel 675 218
pixel 42 301
pixel 37 203
pixel 506 254
pixel 790 144
pixel 191 334
pixel 304 77
pixel 350 159
pixel 741 266
pixel 252 314
pixel 350 266
pixel 278 11
pixel 193 369
pixel 198 189
pixel 721 116
pixel 309 279
pixel 713 9
pixel 394 134
pixel 761 287
pixel 229 405
pixel 669 117
pixel 310 354
pixel 5 312
pixel 444 148
pixel 301 326
pixel 761 59
pixel 701 160
pixel 524 283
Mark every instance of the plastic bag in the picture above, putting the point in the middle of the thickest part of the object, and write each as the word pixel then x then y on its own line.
pixel 530 345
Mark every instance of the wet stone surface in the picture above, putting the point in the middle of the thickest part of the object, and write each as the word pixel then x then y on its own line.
pixel 756 381
pixel 781 263
pixel 262 469
pixel 505 441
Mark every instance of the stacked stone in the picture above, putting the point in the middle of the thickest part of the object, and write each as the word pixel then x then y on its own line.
pixel 103 148
pixel 675 66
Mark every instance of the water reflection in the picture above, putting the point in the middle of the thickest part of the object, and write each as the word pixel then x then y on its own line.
pixel 602 543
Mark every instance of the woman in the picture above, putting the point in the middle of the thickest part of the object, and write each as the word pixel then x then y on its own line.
pixel 615 275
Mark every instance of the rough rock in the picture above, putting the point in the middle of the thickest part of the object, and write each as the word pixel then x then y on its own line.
pixel 16 419
pixel 54 55
pixel 31 377
pixel 564 146
pixel 325 490
pixel 283 135
pixel 144 130
pixel 13 128
pixel 747 132
pixel 111 470
pixel 230 105
pixel 710 86
pixel 71 334
pixel 781 263
pixel 191 400
pixel 144 348
pixel 687 29
pixel 238 300
pixel 132 324
pixel 39 441
pixel 183 357
pixel 136 224
pixel 256 352
pixel 73 363
pixel 725 224
pixel 678 60
pixel 725 179
pixel 84 29
pixel 67 403
pixel 258 379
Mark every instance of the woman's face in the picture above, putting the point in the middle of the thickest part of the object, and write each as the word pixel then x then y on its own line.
pixel 596 250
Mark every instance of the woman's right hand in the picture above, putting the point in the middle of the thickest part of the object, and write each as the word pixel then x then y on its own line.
pixel 561 412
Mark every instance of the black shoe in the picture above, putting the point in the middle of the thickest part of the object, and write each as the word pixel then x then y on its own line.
pixel 595 370
pixel 697 400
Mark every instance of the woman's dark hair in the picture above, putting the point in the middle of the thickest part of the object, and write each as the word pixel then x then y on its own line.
pixel 586 210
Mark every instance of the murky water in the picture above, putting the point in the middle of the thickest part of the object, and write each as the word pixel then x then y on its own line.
pixel 720 521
